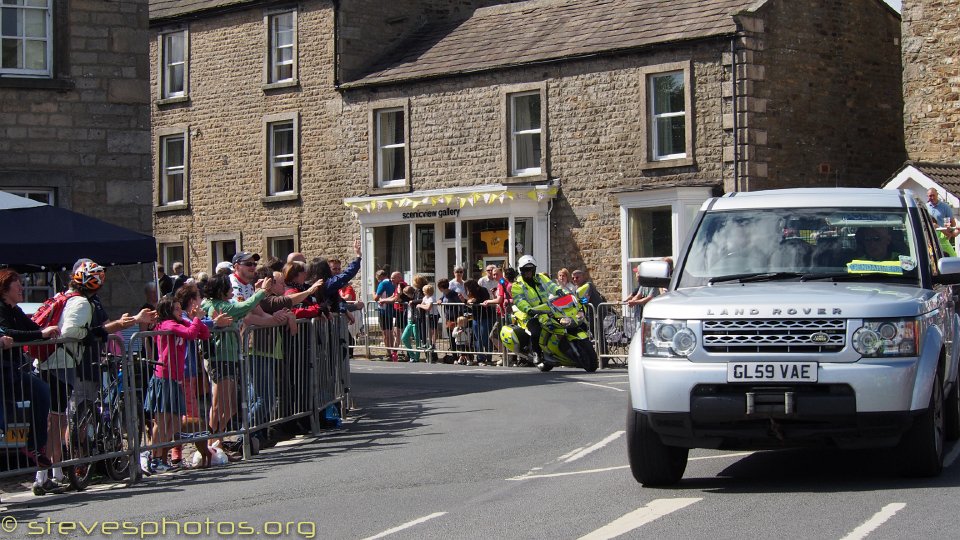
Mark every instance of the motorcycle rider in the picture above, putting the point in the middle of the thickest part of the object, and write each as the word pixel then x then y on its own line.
pixel 530 295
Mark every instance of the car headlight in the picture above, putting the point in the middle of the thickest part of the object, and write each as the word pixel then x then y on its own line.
pixel 668 339
pixel 881 338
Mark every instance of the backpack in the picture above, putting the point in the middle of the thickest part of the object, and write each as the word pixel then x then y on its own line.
pixel 48 315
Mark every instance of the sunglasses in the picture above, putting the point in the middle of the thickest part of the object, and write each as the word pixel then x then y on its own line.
pixel 248 263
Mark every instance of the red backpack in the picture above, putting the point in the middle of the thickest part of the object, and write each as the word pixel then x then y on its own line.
pixel 48 315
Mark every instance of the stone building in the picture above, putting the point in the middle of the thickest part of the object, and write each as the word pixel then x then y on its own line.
pixel 75 117
pixel 931 99
pixel 931 80
pixel 585 133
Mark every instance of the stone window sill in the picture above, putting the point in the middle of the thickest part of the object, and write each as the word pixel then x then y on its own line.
pixel 669 163
pixel 172 100
pixel 170 208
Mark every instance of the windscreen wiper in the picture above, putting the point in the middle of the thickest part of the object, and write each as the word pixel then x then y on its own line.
pixel 756 276
pixel 853 276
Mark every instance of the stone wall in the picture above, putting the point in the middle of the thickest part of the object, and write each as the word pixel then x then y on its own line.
pixel 225 115
pixel 594 142
pixel 822 87
pixel 931 79
pixel 85 133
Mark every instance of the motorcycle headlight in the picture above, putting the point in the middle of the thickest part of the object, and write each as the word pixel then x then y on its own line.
pixel 881 338
pixel 668 339
pixel 566 322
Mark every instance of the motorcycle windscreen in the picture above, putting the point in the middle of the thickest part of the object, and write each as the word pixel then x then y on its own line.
pixel 564 301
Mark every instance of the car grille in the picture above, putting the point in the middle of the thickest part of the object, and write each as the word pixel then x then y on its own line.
pixel 781 335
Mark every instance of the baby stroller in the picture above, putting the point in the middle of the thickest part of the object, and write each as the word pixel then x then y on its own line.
pixel 618 330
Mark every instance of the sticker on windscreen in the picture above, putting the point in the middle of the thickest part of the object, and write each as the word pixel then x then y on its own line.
pixel 876 267
pixel 907 263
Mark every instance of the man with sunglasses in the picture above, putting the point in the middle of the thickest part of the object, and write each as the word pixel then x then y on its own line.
pixel 942 213
pixel 457 283
pixel 530 295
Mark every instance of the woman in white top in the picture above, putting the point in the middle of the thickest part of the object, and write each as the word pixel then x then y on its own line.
pixel 563 280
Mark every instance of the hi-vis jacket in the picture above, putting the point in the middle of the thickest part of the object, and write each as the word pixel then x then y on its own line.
pixel 527 298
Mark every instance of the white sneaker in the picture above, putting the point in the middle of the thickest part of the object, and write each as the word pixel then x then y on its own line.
pixel 145 458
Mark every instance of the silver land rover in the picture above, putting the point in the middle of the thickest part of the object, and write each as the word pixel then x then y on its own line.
pixel 798 317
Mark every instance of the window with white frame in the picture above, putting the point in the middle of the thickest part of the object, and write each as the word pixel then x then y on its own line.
pixel 26 37
pixel 525 133
pixel 282 53
pixel 283 157
pixel 173 153
pixel 173 72
pixel 391 147
pixel 668 116
pixel 170 253
pixel 280 247
pixel 222 250
pixel 45 196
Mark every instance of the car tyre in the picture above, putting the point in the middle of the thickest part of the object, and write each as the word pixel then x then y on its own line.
pixel 652 462
pixel 922 445
pixel 952 413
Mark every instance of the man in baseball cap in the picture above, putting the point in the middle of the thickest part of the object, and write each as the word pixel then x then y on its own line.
pixel 244 256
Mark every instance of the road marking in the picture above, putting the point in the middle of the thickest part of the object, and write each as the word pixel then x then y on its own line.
pixel 406 525
pixel 952 456
pixel 719 456
pixel 531 476
pixel 602 386
pixel 593 448
pixel 639 517
pixel 877 520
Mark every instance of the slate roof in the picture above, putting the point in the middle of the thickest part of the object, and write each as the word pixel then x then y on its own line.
pixel 945 174
pixel 165 9
pixel 547 30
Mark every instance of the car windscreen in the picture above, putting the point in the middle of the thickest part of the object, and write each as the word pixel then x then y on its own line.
pixel 801 244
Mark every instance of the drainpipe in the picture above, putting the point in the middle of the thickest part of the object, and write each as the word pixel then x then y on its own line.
pixel 736 121
pixel 336 44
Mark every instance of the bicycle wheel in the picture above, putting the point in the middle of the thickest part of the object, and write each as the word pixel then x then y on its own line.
pixel 82 444
pixel 116 468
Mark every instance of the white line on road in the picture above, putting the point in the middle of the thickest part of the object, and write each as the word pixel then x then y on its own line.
pixel 877 520
pixel 639 517
pixel 718 456
pixel 406 525
pixel 530 476
pixel 602 386
pixel 594 448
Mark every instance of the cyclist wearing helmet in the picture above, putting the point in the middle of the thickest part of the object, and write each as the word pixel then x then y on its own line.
pixel 531 292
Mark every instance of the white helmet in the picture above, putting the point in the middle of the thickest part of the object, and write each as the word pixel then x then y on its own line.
pixel 526 260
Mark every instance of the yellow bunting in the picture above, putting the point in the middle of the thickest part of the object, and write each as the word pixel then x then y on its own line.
pixel 389 205
pixel 532 195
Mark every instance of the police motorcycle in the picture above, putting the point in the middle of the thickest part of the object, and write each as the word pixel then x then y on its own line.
pixel 564 336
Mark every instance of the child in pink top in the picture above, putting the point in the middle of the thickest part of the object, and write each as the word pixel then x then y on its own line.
pixel 165 397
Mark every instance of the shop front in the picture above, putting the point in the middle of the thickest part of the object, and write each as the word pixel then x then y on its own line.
pixel 430 232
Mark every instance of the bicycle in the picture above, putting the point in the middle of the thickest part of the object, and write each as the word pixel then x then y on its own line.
pixel 97 428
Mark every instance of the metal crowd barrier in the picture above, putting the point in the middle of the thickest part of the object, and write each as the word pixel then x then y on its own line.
pixel 102 413
pixel 612 325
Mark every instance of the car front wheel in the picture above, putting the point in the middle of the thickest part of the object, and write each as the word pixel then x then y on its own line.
pixel 922 446
pixel 652 462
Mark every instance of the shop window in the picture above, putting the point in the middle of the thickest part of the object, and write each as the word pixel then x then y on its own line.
pixel 650 232
pixel 26 38
pixel 174 67
pixel 391 248
pixel 425 250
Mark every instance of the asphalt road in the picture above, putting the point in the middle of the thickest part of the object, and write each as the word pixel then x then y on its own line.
pixel 483 452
